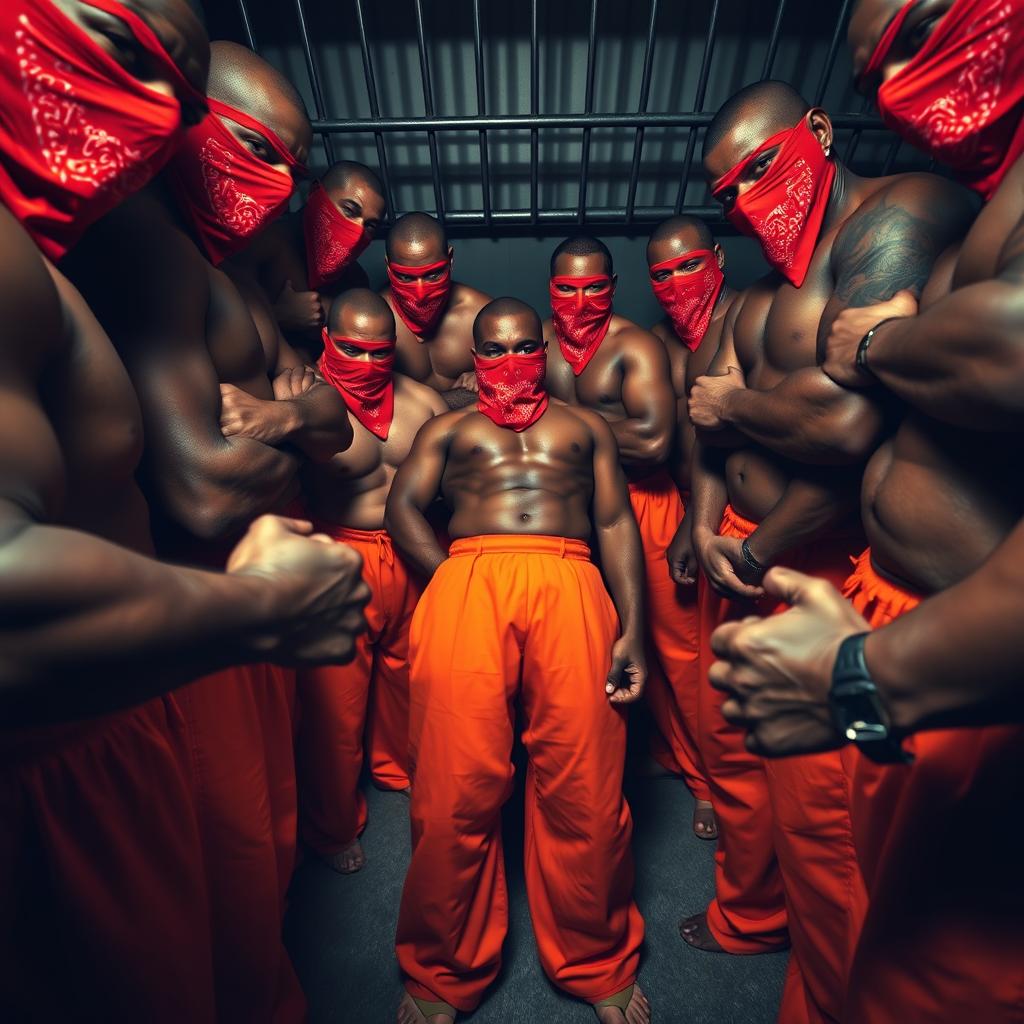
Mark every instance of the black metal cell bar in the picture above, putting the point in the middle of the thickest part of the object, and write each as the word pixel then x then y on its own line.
pixel 581 206
pixel 371 92
pixel 692 119
pixel 481 105
pixel 534 110
pixel 645 92
pixel 247 25
pixel 314 77
pixel 833 52
pixel 773 41
pixel 851 149
pixel 595 215
pixel 890 157
pixel 698 105
pixel 428 107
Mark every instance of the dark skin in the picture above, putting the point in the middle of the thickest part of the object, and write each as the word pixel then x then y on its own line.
pixel 560 478
pixel 229 413
pixel 74 531
pixel 627 382
pixel 443 358
pixel 879 236
pixel 949 662
pixel 276 262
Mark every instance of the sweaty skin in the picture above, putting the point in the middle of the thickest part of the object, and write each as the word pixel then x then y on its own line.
pixel 627 382
pixel 443 359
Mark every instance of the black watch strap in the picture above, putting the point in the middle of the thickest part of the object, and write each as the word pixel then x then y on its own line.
pixel 857 706
pixel 861 358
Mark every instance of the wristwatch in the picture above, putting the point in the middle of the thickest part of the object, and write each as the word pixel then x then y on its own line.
pixel 861 357
pixel 857 707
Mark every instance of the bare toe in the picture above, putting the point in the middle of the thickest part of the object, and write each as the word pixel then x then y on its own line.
pixel 349 860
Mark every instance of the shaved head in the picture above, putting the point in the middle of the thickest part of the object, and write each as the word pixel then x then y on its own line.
pixel 676 237
pixel 582 246
pixel 244 80
pixel 755 113
pixel 508 319
pixel 346 173
pixel 416 240
pixel 361 313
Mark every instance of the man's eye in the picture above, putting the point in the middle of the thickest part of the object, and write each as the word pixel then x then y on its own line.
pixel 920 33
pixel 126 49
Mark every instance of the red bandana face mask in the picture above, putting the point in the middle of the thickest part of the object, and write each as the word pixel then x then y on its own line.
pixel 961 97
pixel 78 133
pixel 580 320
pixel 366 385
pixel 225 191
pixel 421 302
pixel 332 240
pixel 689 299
pixel 512 392
pixel 785 208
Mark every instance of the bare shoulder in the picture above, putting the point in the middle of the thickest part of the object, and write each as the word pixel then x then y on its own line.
pixel 467 299
pixel 911 203
pixel 594 422
pixel 441 430
pixel 412 393
pixel 639 344
pixel 663 329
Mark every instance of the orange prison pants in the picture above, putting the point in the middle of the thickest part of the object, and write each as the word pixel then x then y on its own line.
pixel 227 726
pixel 784 828
pixel 335 699
pixel 507 620
pixel 943 939
pixel 673 663
pixel 103 901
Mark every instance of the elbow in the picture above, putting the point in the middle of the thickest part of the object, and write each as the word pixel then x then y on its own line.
pixel 210 515
pixel 654 449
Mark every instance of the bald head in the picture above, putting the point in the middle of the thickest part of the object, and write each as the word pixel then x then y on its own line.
pixel 361 313
pixel 678 236
pixel 357 192
pixel 746 120
pixel 581 255
pixel 416 240
pixel 507 325
pixel 244 80
pixel 346 173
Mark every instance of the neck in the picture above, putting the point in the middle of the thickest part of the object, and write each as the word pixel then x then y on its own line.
pixel 725 296
pixel 844 195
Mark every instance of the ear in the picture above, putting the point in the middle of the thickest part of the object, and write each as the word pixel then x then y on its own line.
pixel 451 254
pixel 615 281
pixel 821 125
pixel 719 256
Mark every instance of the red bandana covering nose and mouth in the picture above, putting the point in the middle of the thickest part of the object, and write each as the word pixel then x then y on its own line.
pixel 366 385
pixel 224 190
pixel 420 303
pixel 961 97
pixel 785 208
pixel 333 242
pixel 580 319
pixel 512 392
pixel 78 133
pixel 689 299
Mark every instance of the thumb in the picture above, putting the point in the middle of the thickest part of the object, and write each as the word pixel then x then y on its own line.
pixel 905 300
pixel 288 286
pixel 791 586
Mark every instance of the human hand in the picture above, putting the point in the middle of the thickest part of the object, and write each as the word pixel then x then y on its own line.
pixel 680 555
pixel 778 671
pixel 726 570
pixel 467 381
pixel 242 415
pixel 708 396
pixel 628 673
pixel 314 595
pixel 847 332
pixel 294 382
pixel 298 311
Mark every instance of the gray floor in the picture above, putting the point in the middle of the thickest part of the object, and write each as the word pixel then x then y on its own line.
pixel 340 930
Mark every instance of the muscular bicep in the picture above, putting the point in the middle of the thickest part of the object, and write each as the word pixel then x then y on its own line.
pixel 647 393
pixel 418 480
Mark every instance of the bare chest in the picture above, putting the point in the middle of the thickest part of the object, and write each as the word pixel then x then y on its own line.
pixel 234 342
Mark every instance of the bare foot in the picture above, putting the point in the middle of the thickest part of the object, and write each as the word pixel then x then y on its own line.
pixel 695 932
pixel 410 1013
pixel 705 826
pixel 349 860
pixel 638 1011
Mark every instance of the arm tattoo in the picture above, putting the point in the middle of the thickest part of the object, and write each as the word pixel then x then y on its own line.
pixel 883 251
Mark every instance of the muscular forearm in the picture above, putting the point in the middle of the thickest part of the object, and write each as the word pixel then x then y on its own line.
pixel 319 425
pixel 219 494
pixel 641 445
pixel 413 536
pixel 89 627
pixel 708 492
pixel 808 418
pixel 956 659
pixel 806 509
pixel 961 360
pixel 622 559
